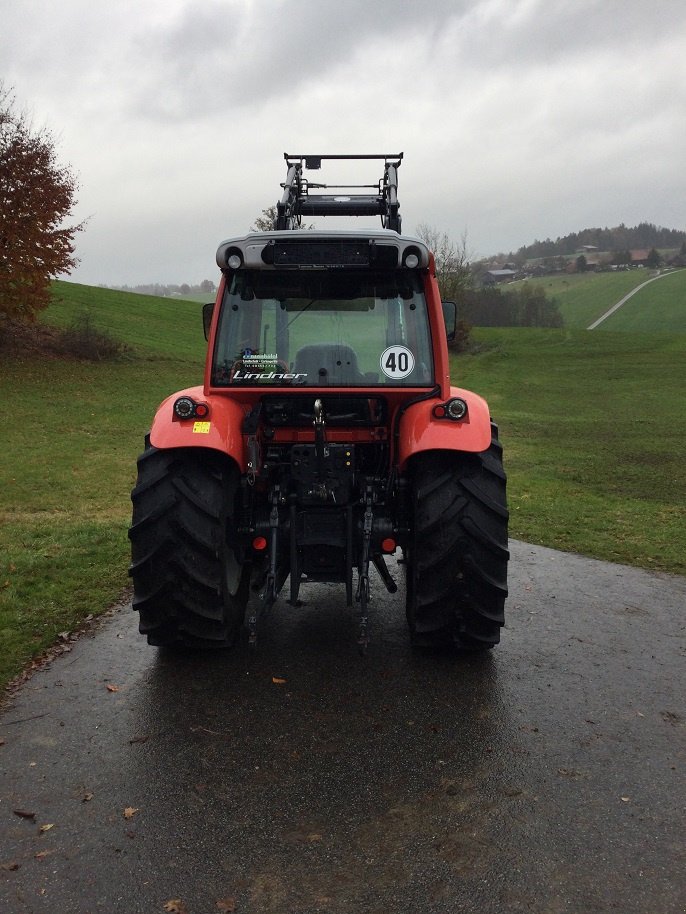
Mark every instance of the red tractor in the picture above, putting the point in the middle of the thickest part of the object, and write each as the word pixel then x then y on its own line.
pixel 325 437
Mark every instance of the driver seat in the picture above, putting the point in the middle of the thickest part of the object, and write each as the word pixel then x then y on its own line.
pixel 328 364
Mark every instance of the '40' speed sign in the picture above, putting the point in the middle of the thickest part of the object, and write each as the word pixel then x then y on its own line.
pixel 396 362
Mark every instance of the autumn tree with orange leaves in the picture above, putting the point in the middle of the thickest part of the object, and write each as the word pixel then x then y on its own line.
pixel 37 195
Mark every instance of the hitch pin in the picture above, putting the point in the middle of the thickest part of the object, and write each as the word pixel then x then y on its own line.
pixel 318 412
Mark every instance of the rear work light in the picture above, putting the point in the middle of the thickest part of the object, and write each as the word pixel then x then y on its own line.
pixel 187 408
pixel 412 258
pixel 234 258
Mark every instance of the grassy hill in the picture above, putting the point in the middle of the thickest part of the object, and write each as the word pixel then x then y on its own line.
pixel 584 297
pixel 591 422
pixel 660 306
pixel 164 327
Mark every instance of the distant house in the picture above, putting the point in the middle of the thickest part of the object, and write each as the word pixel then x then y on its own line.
pixel 491 277
pixel 639 257
pixel 583 264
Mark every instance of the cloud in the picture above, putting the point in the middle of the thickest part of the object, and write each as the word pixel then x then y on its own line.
pixel 219 56
pixel 518 118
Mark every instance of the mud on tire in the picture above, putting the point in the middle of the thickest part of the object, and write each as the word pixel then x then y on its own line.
pixel 190 587
pixel 457 560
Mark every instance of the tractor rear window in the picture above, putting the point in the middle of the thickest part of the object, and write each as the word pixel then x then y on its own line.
pixel 317 328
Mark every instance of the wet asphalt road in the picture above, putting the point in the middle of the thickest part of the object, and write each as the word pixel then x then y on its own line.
pixel 547 777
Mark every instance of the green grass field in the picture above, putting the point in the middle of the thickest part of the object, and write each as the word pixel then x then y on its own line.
pixel 592 425
pixel 660 306
pixel 167 327
pixel 72 431
pixel 584 297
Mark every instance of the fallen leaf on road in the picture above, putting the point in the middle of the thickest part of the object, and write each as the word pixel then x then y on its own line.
pixel 130 812
pixel 23 814
pixel 278 681
pixel 41 854
pixel 12 867
pixel 46 827
pixel 112 688
pixel 175 906
pixel 625 799
pixel 226 904
pixel 87 797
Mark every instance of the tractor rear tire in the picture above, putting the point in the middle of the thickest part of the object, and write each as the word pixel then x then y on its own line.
pixel 190 585
pixel 457 560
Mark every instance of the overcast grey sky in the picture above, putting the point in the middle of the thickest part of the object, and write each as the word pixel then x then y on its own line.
pixel 519 119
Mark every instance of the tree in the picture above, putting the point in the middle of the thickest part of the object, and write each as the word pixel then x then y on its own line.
pixel 265 221
pixel 654 259
pixel 454 276
pixel 621 258
pixel 581 264
pixel 37 194
pixel 453 270
pixel 524 306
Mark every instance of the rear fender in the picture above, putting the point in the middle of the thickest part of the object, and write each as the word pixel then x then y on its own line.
pixel 221 431
pixel 421 431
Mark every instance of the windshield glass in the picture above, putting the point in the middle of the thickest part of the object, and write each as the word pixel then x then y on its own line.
pixel 323 328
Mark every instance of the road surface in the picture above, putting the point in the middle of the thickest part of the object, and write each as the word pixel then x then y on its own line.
pixel 547 777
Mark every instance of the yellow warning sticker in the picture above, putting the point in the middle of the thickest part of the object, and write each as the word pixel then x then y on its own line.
pixel 201 428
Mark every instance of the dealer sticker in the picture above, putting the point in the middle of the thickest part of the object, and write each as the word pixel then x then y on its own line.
pixel 396 362
pixel 201 428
